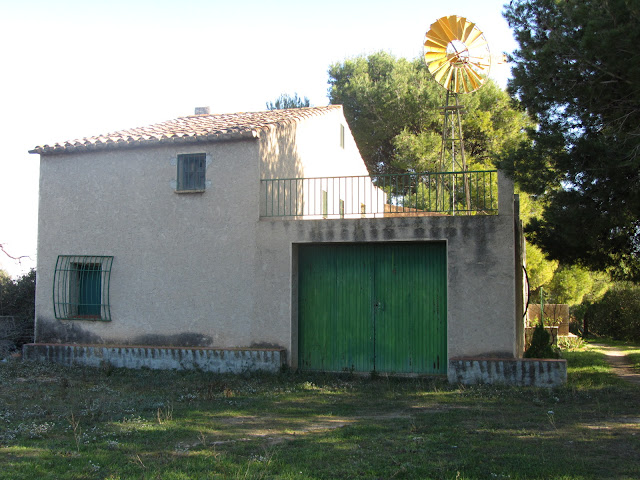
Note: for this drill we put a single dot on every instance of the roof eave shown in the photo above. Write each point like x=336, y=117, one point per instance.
x=215, y=137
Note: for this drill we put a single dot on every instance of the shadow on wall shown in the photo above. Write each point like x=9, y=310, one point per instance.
x=69, y=332
x=280, y=159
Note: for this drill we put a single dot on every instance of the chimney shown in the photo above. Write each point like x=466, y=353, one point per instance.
x=203, y=111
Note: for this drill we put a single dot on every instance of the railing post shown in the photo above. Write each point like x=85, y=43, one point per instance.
x=453, y=193
x=505, y=194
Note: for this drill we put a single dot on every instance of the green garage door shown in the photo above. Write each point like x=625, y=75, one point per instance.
x=372, y=307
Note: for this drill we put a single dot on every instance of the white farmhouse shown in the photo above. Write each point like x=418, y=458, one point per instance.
x=257, y=240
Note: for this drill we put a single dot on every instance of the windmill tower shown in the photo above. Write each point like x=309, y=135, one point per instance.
x=457, y=55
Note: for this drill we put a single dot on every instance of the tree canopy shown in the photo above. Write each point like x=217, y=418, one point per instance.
x=285, y=101
x=577, y=73
x=570, y=284
x=17, y=297
x=17, y=300
x=393, y=107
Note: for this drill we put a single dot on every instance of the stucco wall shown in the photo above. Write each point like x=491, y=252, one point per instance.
x=481, y=312
x=181, y=261
x=310, y=148
x=202, y=269
x=186, y=265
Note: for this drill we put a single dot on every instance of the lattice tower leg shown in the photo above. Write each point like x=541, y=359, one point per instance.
x=452, y=157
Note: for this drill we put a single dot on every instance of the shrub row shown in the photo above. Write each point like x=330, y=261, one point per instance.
x=17, y=307
x=617, y=314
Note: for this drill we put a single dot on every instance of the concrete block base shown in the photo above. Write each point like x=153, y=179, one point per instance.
x=159, y=358
x=517, y=371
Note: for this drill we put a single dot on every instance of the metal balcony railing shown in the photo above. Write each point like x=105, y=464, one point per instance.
x=408, y=194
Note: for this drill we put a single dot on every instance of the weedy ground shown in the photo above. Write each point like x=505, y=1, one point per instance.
x=105, y=423
x=631, y=351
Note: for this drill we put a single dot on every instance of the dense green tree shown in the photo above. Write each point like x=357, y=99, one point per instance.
x=577, y=73
x=393, y=107
x=540, y=270
x=17, y=300
x=287, y=101
x=570, y=285
x=617, y=314
x=5, y=278
x=17, y=297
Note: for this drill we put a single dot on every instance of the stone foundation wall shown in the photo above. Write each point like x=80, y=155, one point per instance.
x=518, y=371
x=167, y=358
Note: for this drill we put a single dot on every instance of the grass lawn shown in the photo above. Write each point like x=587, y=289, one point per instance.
x=84, y=423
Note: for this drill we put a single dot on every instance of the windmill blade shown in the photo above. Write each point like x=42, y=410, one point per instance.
x=475, y=79
x=432, y=47
x=440, y=33
x=466, y=85
x=431, y=41
x=466, y=32
x=438, y=64
x=480, y=45
x=448, y=26
x=433, y=56
x=447, y=80
x=454, y=25
x=481, y=63
x=456, y=81
x=457, y=54
x=441, y=72
x=472, y=37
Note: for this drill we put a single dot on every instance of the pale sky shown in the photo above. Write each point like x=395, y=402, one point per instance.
x=78, y=68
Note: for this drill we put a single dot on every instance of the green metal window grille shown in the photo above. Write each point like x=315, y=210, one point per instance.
x=342, y=135
x=81, y=287
x=191, y=172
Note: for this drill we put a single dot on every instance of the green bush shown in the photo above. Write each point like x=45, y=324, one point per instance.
x=576, y=320
x=17, y=306
x=617, y=314
x=570, y=343
x=540, y=344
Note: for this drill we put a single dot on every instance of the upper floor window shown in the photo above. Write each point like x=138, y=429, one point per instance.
x=191, y=172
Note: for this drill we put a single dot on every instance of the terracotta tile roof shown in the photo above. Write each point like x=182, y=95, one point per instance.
x=194, y=128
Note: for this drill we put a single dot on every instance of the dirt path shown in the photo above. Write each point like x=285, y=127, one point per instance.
x=620, y=365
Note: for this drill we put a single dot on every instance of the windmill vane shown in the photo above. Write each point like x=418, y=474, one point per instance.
x=457, y=54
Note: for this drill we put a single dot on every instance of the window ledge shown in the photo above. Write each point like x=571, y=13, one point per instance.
x=189, y=191
x=85, y=317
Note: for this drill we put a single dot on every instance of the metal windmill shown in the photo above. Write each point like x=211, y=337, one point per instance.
x=457, y=55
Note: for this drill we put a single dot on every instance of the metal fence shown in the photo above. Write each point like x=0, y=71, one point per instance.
x=408, y=194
